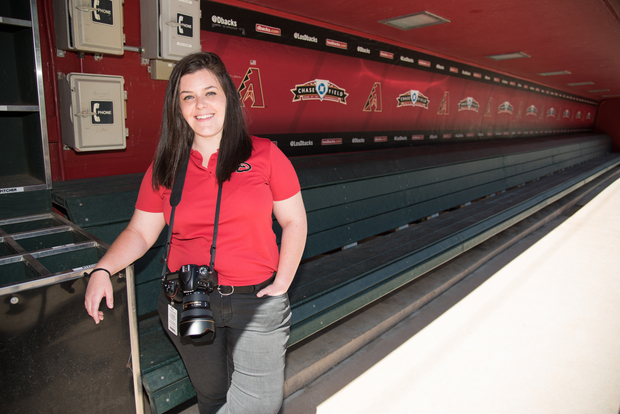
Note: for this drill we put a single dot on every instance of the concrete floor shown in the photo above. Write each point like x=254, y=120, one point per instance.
x=534, y=330
x=541, y=336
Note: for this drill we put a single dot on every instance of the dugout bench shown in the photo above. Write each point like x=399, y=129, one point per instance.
x=376, y=220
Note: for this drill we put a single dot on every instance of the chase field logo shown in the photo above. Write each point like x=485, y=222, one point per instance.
x=319, y=90
x=566, y=114
x=551, y=113
x=413, y=98
x=469, y=104
x=505, y=108
x=531, y=110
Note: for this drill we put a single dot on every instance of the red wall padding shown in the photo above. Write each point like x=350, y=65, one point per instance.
x=281, y=69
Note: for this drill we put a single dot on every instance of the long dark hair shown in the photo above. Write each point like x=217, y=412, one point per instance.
x=176, y=135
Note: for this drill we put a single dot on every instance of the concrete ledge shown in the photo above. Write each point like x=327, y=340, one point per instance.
x=314, y=356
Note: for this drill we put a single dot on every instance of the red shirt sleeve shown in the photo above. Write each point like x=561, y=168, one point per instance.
x=283, y=180
x=149, y=200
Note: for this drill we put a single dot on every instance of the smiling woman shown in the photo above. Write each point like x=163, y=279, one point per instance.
x=203, y=105
x=236, y=363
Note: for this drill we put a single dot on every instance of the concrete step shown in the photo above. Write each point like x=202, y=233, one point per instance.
x=314, y=356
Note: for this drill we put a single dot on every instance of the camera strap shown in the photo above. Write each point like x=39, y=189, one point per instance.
x=175, y=199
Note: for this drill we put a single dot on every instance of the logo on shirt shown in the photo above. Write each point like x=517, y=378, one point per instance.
x=244, y=167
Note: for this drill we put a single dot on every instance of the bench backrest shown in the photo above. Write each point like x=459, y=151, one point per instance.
x=351, y=197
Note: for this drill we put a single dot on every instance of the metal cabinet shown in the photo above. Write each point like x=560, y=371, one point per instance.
x=25, y=175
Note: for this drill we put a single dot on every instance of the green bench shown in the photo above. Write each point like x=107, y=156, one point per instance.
x=377, y=220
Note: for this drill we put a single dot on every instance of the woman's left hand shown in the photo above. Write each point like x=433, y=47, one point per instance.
x=274, y=289
x=291, y=216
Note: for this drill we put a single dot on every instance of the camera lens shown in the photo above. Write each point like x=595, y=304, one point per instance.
x=196, y=316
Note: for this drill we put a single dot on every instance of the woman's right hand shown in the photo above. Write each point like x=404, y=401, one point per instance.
x=141, y=233
x=99, y=286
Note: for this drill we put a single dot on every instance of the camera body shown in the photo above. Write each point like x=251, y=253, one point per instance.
x=192, y=285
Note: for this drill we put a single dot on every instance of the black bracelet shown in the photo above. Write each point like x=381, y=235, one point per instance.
x=100, y=268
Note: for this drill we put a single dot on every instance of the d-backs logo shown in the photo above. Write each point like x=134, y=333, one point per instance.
x=101, y=11
x=413, y=98
x=505, y=108
x=374, y=99
x=487, y=110
x=444, y=106
x=319, y=90
x=469, y=104
x=252, y=88
x=244, y=167
x=551, y=113
x=531, y=110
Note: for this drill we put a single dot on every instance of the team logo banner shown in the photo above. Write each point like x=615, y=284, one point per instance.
x=469, y=104
x=413, y=98
x=320, y=90
x=505, y=108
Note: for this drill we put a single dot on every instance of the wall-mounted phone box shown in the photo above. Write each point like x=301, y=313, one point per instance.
x=92, y=112
x=89, y=25
x=170, y=29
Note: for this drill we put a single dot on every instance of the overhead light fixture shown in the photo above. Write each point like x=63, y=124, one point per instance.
x=562, y=72
x=506, y=56
x=580, y=83
x=415, y=21
x=599, y=90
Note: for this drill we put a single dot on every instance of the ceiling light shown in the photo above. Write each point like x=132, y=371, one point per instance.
x=414, y=21
x=562, y=72
x=580, y=83
x=506, y=56
x=599, y=90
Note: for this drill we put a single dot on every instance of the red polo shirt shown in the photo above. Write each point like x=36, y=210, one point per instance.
x=246, y=245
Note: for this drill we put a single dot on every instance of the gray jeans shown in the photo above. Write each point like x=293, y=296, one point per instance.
x=242, y=370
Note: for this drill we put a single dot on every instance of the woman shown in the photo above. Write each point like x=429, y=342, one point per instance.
x=242, y=369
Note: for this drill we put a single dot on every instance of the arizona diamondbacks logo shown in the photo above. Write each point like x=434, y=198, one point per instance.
x=319, y=89
x=251, y=88
x=244, y=167
x=413, y=98
x=374, y=99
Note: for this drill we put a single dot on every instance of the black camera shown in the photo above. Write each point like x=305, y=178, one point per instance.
x=192, y=285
